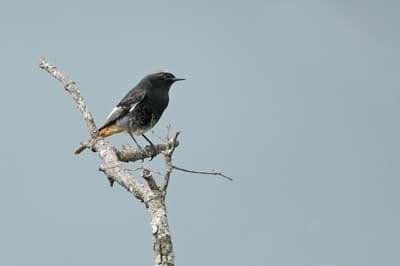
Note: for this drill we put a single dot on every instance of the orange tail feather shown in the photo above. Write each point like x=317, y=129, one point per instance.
x=104, y=132
x=110, y=130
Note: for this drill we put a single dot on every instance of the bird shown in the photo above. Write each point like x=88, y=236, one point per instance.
x=140, y=109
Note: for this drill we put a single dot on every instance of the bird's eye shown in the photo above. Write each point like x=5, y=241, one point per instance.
x=162, y=76
x=165, y=76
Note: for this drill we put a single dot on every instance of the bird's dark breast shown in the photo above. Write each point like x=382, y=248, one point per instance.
x=144, y=116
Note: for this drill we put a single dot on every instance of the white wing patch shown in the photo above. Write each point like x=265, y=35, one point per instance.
x=132, y=107
x=114, y=111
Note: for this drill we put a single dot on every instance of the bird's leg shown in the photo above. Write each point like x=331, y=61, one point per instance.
x=152, y=146
x=139, y=147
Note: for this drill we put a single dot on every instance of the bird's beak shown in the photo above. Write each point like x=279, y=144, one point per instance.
x=177, y=79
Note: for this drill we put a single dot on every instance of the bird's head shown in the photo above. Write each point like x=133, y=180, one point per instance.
x=162, y=79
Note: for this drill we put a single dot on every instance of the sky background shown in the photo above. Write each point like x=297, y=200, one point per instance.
x=298, y=101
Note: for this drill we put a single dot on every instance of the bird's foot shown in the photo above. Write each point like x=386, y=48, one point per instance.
x=143, y=152
x=153, y=152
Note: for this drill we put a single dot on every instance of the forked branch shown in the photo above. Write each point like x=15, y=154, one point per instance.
x=111, y=166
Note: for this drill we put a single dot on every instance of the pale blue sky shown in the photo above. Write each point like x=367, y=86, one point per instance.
x=299, y=101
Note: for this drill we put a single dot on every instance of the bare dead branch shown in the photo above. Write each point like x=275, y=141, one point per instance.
x=201, y=172
x=128, y=154
x=148, y=176
x=172, y=143
x=115, y=172
x=71, y=87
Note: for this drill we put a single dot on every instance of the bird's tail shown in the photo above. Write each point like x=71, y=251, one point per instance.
x=109, y=130
x=104, y=131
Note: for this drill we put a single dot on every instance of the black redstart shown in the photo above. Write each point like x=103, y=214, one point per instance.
x=140, y=109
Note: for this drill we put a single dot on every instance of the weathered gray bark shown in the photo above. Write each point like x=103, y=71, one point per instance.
x=152, y=195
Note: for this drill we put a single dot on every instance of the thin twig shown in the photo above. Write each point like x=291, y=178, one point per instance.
x=174, y=142
x=152, y=171
x=201, y=172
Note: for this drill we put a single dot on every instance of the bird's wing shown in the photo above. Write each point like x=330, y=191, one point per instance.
x=127, y=104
